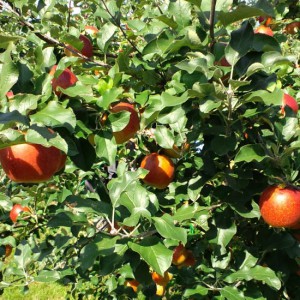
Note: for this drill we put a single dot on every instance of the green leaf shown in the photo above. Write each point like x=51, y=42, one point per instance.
x=5, y=40
x=117, y=186
x=154, y=253
x=8, y=73
x=170, y=100
x=9, y=119
x=265, y=43
x=47, y=276
x=193, y=65
x=164, y=137
x=105, y=34
x=186, y=212
x=181, y=12
x=241, y=41
x=23, y=256
x=221, y=145
x=136, y=200
x=106, y=148
x=249, y=153
x=24, y=103
x=166, y=228
x=199, y=290
x=119, y=120
x=42, y=136
x=157, y=46
x=79, y=90
x=9, y=137
x=54, y=115
x=232, y=293
x=224, y=235
x=240, y=13
x=109, y=97
x=274, y=98
x=259, y=273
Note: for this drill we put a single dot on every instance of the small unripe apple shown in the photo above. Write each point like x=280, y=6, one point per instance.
x=262, y=29
x=66, y=79
x=87, y=49
x=16, y=210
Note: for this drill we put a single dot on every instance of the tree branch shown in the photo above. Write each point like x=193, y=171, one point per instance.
x=212, y=24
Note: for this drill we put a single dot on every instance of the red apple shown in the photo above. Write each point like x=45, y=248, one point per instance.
x=66, y=79
x=16, y=210
x=289, y=101
x=280, y=207
x=133, y=125
x=86, y=50
x=31, y=163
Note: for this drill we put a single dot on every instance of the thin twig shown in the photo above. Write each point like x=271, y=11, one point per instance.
x=120, y=27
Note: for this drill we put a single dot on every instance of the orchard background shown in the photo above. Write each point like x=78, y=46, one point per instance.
x=96, y=225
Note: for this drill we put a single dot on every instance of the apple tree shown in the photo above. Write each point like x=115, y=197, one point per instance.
x=174, y=117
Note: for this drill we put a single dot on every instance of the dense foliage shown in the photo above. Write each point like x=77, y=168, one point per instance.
x=97, y=225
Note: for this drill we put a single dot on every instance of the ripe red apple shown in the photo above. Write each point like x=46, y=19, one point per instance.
x=66, y=79
x=31, y=163
x=289, y=101
x=161, y=170
x=280, y=207
x=133, y=125
x=16, y=210
x=86, y=50
x=264, y=30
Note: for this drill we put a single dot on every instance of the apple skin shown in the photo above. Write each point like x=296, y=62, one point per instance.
x=87, y=49
x=161, y=170
x=133, y=125
x=16, y=210
x=66, y=79
x=262, y=29
x=280, y=207
x=31, y=163
x=291, y=102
